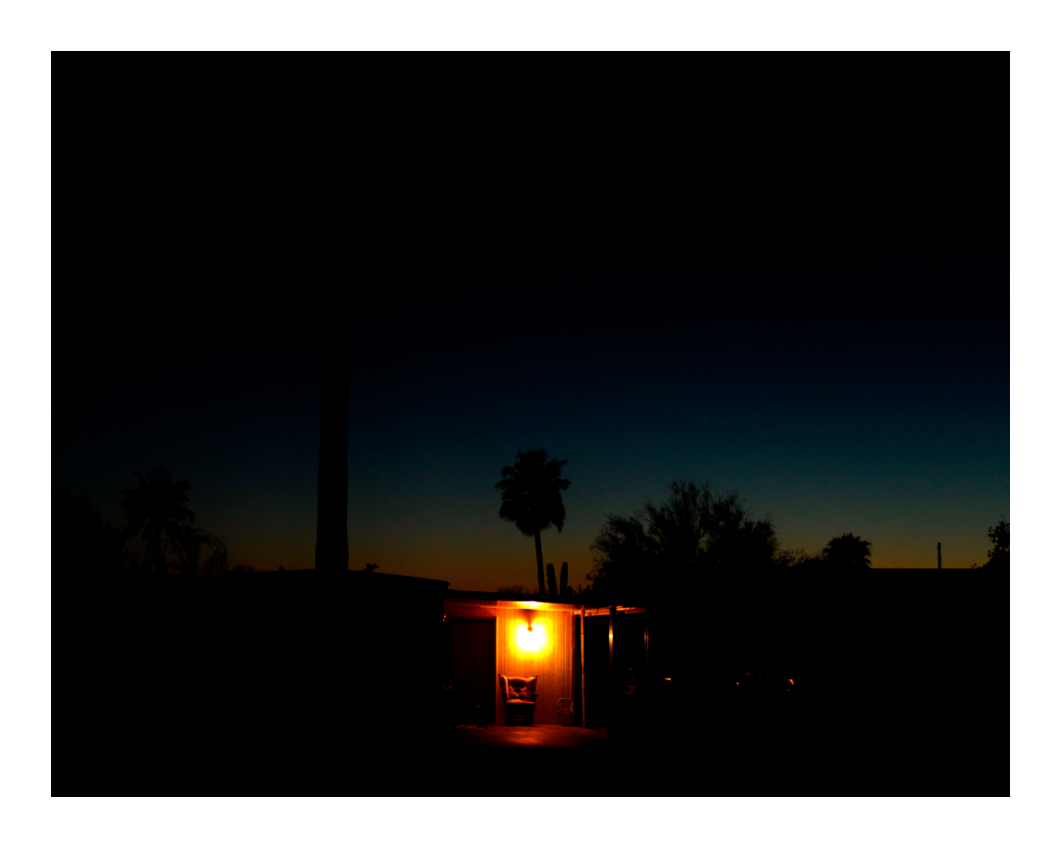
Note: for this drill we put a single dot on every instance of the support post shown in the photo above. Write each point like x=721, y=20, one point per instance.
x=611, y=612
x=613, y=703
x=583, y=665
x=646, y=665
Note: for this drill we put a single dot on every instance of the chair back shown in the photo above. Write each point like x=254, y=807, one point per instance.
x=518, y=688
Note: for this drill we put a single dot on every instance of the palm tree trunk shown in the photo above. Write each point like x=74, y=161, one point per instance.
x=332, y=548
x=159, y=562
x=540, y=565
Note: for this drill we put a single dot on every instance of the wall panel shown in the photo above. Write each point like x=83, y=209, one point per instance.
x=546, y=652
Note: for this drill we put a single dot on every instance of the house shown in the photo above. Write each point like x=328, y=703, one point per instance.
x=570, y=648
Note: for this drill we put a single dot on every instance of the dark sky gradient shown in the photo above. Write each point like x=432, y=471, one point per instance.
x=809, y=306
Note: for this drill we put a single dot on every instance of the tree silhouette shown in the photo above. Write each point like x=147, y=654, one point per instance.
x=691, y=532
x=735, y=541
x=682, y=523
x=531, y=499
x=846, y=552
x=84, y=546
x=624, y=555
x=156, y=509
x=998, y=557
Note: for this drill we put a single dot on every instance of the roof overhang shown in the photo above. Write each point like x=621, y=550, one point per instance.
x=494, y=603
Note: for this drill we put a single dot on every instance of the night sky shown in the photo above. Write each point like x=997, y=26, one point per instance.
x=807, y=303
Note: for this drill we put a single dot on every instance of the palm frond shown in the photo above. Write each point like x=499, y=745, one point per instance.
x=530, y=492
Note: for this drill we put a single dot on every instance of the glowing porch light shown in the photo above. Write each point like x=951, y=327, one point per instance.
x=530, y=638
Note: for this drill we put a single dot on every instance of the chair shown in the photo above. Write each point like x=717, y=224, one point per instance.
x=519, y=699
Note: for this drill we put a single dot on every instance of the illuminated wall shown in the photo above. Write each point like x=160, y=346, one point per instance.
x=537, y=642
x=545, y=651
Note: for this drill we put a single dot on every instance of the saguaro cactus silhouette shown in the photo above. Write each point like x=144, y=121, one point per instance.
x=562, y=590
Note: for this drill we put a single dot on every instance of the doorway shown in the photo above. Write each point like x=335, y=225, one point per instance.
x=475, y=661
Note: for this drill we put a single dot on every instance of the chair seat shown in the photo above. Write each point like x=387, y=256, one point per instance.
x=519, y=699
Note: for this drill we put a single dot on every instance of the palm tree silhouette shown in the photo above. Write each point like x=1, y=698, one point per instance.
x=531, y=499
x=156, y=507
x=199, y=553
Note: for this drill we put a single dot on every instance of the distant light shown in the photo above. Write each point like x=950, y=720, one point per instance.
x=666, y=679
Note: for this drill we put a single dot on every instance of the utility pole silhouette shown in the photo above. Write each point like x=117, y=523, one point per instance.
x=940, y=555
x=332, y=549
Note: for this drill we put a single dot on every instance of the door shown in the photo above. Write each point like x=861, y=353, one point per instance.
x=475, y=661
